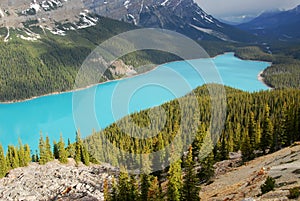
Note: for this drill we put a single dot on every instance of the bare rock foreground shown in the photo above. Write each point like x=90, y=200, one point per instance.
x=55, y=181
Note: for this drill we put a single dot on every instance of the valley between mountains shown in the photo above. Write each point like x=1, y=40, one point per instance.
x=254, y=155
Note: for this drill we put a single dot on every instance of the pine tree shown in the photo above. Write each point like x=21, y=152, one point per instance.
x=175, y=182
x=247, y=151
x=48, y=150
x=71, y=149
x=114, y=190
x=190, y=190
x=78, y=148
x=3, y=164
x=12, y=157
x=55, y=150
x=207, y=170
x=21, y=154
x=85, y=158
x=153, y=192
x=145, y=184
x=43, y=155
x=252, y=131
x=133, y=194
x=27, y=154
x=106, y=193
x=280, y=130
x=124, y=186
x=62, y=153
x=267, y=131
x=224, y=152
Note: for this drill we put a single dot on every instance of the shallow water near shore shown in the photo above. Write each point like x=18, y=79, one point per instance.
x=53, y=114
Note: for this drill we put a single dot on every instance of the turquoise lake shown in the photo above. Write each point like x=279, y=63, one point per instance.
x=53, y=114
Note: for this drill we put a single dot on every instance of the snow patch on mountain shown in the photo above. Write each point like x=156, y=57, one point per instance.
x=211, y=32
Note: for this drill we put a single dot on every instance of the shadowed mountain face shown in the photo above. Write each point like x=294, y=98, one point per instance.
x=279, y=25
x=183, y=16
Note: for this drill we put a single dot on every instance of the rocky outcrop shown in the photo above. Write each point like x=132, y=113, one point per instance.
x=243, y=183
x=55, y=181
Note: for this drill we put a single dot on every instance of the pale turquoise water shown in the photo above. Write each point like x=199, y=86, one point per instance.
x=53, y=114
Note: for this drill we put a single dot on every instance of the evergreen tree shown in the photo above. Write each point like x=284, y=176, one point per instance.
x=3, y=164
x=224, y=152
x=280, y=130
x=133, y=194
x=207, y=169
x=42, y=149
x=124, y=187
x=27, y=154
x=55, y=150
x=153, y=192
x=175, y=181
x=145, y=184
x=78, y=145
x=85, y=158
x=106, y=193
x=247, y=151
x=252, y=131
x=190, y=190
x=48, y=150
x=71, y=149
x=21, y=154
x=62, y=153
x=114, y=190
x=267, y=131
x=12, y=157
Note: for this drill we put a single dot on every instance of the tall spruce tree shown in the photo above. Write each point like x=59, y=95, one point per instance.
x=78, y=145
x=267, y=131
x=145, y=184
x=247, y=151
x=12, y=157
x=106, y=192
x=48, y=149
x=175, y=182
x=42, y=149
x=21, y=154
x=62, y=153
x=154, y=193
x=190, y=190
x=124, y=186
x=3, y=164
x=27, y=154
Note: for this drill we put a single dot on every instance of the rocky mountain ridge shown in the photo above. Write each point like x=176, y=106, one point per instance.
x=59, y=16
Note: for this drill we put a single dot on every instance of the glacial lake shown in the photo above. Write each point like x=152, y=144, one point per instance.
x=53, y=114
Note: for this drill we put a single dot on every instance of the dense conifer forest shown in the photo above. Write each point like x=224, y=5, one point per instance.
x=256, y=123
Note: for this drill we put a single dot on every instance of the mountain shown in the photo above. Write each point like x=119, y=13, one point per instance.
x=183, y=16
x=278, y=25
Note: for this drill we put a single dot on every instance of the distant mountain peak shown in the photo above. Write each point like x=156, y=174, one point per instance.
x=278, y=25
x=183, y=16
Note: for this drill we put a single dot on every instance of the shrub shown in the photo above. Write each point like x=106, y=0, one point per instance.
x=269, y=185
x=294, y=193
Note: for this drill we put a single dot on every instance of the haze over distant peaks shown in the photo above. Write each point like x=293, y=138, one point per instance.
x=279, y=25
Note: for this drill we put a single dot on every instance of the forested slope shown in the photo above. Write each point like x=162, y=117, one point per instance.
x=256, y=123
x=285, y=69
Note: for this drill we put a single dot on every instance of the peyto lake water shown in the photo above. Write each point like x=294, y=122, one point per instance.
x=54, y=114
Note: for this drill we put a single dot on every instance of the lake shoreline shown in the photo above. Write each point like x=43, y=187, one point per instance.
x=259, y=77
x=79, y=89
x=262, y=79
